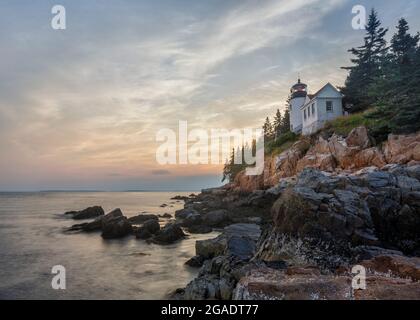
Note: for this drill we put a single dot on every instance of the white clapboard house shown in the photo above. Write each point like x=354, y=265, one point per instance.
x=309, y=112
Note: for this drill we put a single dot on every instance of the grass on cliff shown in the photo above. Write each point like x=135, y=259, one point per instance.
x=340, y=126
x=343, y=125
x=282, y=143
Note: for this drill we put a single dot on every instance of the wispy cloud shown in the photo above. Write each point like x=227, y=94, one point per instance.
x=84, y=104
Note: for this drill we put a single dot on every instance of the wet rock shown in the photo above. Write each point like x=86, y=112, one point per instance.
x=202, y=288
x=241, y=247
x=148, y=229
x=142, y=218
x=88, y=213
x=115, y=225
x=178, y=197
x=195, y=262
x=165, y=216
x=217, y=218
x=211, y=247
x=142, y=233
x=199, y=229
x=169, y=234
x=184, y=213
x=244, y=234
x=190, y=220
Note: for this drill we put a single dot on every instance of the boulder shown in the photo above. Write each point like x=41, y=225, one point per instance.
x=211, y=247
x=184, y=213
x=143, y=233
x=195, y=262
x=358, y=137
x=192, y=219
x=402, y=148
x=243, y=235
x=115, y=225
x=343, y=153
x=142, y=218
x=178, y=197
x=168, y=234
x=240, y=247
x=199, y=229
x=149, y=228
x=88, y=213
x=217, y=218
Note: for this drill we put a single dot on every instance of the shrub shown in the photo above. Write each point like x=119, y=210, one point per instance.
x=281, y=143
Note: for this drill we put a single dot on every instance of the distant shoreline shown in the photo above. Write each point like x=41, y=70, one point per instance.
x=93, y=191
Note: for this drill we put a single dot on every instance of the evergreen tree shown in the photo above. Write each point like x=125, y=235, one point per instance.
x=366, y=64
x=403, y=44
x=396, y=89
x=268, y=129
x=285, y=125
x=228, y=168
x=277, y=123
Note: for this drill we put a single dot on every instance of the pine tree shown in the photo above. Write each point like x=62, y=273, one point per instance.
x=367, y=60
x=229, y=167
x=403, y=44
x=396, y=88
x=268, y=129
x=285, y=125
x=277, y=123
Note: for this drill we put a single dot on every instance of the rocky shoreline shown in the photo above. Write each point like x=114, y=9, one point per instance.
x=297, y=231
x=312, y=231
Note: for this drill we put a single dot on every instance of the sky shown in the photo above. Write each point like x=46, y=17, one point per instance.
x=80, y=108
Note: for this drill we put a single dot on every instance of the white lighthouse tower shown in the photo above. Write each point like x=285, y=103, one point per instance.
x=298, y=95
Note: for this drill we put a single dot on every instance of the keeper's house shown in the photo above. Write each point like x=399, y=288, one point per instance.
x=309, y=112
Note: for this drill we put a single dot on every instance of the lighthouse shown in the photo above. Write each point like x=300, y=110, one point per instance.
x=298, y=94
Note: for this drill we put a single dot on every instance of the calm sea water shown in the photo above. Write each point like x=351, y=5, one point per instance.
x=32, y=241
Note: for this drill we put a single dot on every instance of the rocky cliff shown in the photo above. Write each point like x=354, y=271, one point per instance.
x=333, y=154
x=322, y=207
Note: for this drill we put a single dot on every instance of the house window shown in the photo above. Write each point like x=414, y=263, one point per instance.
x=304, y=114
x=313, y=108
x=329, y=106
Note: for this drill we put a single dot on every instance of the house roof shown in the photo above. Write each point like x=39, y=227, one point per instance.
x=314, y=96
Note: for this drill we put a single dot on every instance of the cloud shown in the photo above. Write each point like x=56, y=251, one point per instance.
x=85, y=102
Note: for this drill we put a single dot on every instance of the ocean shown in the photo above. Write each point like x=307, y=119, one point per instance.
x=32, y=241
